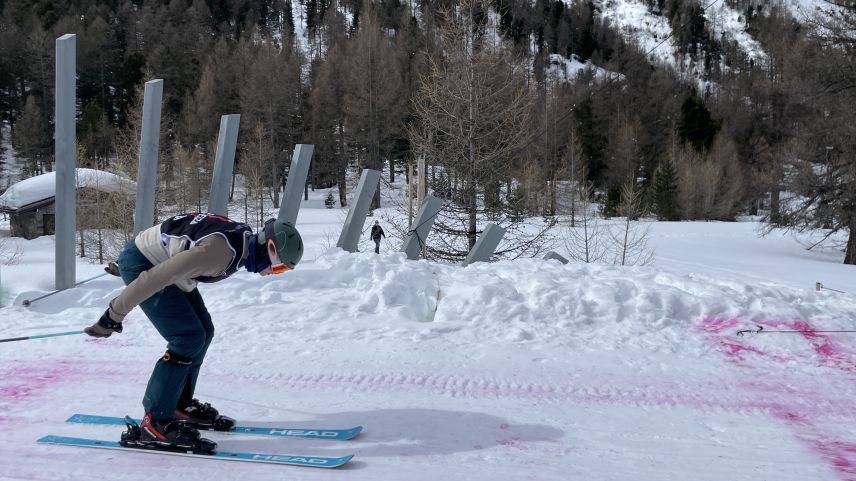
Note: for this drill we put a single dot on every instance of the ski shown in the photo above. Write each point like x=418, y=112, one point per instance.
x=338, y=434
x=286, y=459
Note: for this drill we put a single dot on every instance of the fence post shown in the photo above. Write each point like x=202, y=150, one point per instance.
x=65, y=150
x=224, y=163
x=350, y=236
x=485, y=245
x=415, y=239
x=556, y=257
x=144, y=211
x=293, y=193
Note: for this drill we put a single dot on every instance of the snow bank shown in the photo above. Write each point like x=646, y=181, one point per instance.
x=43, y=187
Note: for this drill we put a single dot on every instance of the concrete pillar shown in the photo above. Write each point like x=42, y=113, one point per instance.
x=66, y=160
x=144, y=212
x=485, y=245
x=224, y=163
x=415, y=239
x=350, y=236
x=293, y=193
x=556, y=257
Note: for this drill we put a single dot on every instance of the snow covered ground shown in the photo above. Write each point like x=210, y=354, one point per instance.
x=525, y=369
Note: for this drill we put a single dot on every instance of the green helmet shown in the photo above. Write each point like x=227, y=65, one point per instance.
x=289, y=245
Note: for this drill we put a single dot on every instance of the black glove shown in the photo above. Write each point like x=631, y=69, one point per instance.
x=112, y=269
x=104, y=327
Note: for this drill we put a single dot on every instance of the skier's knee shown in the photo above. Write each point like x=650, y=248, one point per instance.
x=173, y=357
x=190, y=345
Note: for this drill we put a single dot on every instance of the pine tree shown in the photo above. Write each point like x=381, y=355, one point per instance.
x=29, y=136
x=666, y=191
x=696, y=125
x=375, y=105
x=610, y=206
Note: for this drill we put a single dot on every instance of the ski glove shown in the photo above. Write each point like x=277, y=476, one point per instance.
x=104, y=327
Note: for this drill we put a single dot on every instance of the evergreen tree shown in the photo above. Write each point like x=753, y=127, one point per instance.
x=31, y=140
x=592, y=137
x=666, y=191
x=696, y=125
x=612, y=202
x=95, y=134
x=375, y=105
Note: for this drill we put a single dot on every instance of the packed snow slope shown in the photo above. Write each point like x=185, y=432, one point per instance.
x=525, y=369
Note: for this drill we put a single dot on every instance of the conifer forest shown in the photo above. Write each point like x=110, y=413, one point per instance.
x=519, y=108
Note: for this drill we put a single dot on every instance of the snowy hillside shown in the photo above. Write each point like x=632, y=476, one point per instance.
x=524, y=369
x=650, y=31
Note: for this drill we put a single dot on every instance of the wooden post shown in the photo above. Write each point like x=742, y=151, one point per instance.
x=420, y=178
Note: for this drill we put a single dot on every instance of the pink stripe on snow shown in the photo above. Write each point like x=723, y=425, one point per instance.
x=802, y=410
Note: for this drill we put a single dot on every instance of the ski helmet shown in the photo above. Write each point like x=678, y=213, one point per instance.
x=284, y=244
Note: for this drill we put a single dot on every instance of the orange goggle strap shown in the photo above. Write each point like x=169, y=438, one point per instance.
x=276, y=265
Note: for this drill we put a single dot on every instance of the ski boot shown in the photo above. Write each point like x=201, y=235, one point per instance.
x=202, y=416
x=168, y=435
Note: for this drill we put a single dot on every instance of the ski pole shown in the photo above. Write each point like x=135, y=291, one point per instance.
x=762, y=331
x=41, y=336
x=27, y=302
x=818, y=286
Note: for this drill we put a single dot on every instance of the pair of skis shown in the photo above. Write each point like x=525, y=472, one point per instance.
x=291, y=460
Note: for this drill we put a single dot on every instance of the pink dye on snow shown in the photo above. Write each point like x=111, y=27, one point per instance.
x=841, y=454
x=22, y=381
x=716, y=325
x=829, y=353
x=733, y=350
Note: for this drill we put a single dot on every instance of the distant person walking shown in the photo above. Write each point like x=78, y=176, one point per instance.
x=377, y=233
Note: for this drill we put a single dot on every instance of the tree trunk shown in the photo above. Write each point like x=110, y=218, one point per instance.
x=850, y=252
x=471, y=231
x=343, y=188
x=775, y=207
x=277, y=180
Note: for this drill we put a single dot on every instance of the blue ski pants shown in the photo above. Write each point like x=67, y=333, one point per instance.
x=182, y=319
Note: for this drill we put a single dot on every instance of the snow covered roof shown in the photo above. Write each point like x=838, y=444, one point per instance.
x=42, y=187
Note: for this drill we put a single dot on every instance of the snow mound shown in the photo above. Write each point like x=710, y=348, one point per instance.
x=43, y=187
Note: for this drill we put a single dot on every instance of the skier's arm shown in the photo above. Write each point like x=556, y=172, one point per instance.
x=208, y=258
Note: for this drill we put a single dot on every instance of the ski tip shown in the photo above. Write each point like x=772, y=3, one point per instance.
x=339, y=462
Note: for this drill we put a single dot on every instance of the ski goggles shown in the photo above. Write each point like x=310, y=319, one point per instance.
x=276, y=265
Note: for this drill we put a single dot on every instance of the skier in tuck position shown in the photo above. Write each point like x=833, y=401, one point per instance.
x=161, y=268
